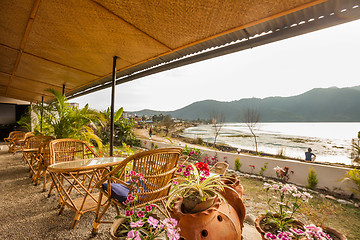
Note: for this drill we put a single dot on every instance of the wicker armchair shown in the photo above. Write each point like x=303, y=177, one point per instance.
x=14, y=136
x=219, y=168
x=39, y=160
x=63, y=150
x=31, y=151
x=158, y=167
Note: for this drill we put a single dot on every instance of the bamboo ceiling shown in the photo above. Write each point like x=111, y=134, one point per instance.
x=51, y=43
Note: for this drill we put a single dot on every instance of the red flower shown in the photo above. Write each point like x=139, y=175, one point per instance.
x=202, y=166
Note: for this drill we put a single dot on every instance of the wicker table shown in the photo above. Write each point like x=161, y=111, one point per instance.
x=75, y=181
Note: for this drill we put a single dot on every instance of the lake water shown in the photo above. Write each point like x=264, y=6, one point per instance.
x=331, y=142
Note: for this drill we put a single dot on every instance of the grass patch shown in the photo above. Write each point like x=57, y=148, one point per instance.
x=344, y=218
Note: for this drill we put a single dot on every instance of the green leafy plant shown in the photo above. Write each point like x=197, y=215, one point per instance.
x=354, y=176
x=283, y=203
x=237, y=164
x=263, y=169
x=312, y=179
x=193, y=153
x=64, y=120
x=195, y=183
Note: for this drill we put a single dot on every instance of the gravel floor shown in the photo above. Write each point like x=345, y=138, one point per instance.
x=27, y=213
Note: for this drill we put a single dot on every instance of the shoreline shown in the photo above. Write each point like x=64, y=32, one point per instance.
x=177, y=140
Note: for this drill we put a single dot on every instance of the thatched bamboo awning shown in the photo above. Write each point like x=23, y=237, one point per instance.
x=52, y=43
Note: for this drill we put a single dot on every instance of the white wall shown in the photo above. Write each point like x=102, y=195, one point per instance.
x=329, y=177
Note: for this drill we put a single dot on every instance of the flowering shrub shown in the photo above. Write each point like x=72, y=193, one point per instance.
x=284, y=203
x=283, y=173
x=252, y=167
x=211, y=161
x=193, y=153
x=311, y=232
x=142, y=224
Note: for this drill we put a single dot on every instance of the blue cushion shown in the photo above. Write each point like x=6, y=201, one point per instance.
x=118, y=191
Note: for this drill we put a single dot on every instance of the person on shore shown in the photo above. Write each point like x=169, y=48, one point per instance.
x=309, y=154
x=150, y=133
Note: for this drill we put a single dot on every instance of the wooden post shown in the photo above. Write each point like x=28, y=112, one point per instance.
x=112, y=107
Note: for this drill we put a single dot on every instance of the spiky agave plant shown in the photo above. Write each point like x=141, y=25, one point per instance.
x=192, y=182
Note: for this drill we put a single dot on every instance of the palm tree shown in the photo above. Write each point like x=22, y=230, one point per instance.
x=62, y=120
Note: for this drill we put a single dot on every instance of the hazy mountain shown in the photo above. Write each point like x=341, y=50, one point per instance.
x=317, y=105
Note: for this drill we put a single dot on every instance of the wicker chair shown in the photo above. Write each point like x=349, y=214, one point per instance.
x=64, y=150
x=219, y=168
x=31, y=151
x=40, y=160
x=20, y=143
x=158, y=167
x=14, y=136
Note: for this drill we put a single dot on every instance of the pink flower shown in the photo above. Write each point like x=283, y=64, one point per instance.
x=129, y=213
x=179, y=170
x=148, y=208
x=133, y=234
x=137, y=224
x=270, y=236
x=130, y=198
x=186, y=173
x=153, y=222
x=173, y=234
x=170, y=221
x=140, y=214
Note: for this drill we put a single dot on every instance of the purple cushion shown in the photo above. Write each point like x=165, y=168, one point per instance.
x=118, y=191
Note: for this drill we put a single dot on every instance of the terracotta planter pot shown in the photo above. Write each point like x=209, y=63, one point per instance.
x=217, y=222
x=334, y=234
x=192, y=207
x=114, y=227
x=259, y=219
x=234, y=197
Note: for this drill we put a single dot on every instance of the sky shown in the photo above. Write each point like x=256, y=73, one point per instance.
x=321, y=59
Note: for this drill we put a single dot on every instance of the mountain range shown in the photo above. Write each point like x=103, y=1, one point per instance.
x=317, y=105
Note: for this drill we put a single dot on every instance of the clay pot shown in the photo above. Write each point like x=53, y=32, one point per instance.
x=114, y=227
x=191, y=205
x=259, y=219
x=334, y=234
x=217, y=222
x=234, y=196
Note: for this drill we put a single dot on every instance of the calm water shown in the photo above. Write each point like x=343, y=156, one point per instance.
x=331, y=142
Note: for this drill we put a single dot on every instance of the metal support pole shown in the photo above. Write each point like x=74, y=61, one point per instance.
x=41, y=114
x=112, y=107
x=63, y=91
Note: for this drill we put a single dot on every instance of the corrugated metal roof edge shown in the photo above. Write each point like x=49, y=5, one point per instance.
x=319, y=17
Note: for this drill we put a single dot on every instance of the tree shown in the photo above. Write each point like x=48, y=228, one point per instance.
x=251, y=117
x=123, y=129
x=63, y=120
x=217, y=120
x=168, y=123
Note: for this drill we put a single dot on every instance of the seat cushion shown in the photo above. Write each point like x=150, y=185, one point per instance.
x=118, y=191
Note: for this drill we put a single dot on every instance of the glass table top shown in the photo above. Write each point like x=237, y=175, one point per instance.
x=91, y=163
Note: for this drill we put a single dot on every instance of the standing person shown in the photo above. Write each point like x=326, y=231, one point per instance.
x=150, y=133
x=309, y=154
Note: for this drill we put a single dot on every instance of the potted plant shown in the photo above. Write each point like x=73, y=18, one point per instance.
x=141, y=224
x=195, y=199
x=309, y=232
x=285, y=201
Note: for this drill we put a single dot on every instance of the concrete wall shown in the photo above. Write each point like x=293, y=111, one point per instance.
x=329, y=177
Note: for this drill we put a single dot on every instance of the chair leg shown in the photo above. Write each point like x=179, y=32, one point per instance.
x=76, y=220
x=99, y=215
